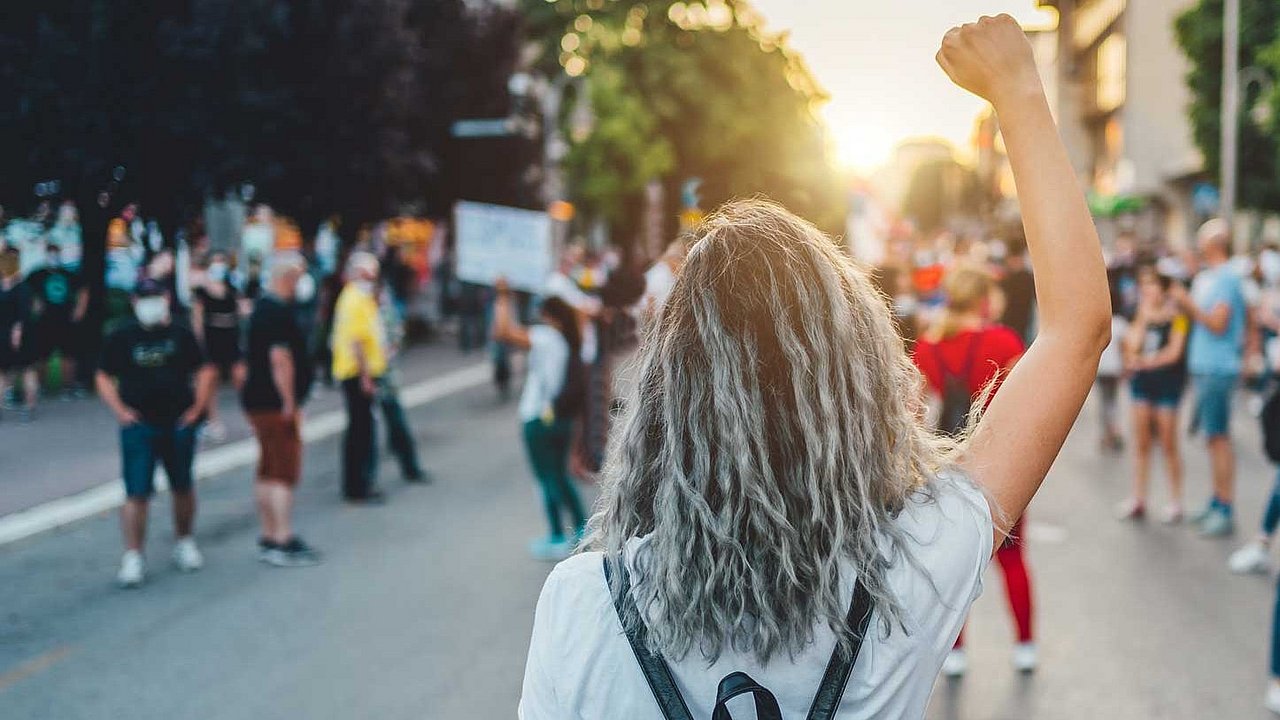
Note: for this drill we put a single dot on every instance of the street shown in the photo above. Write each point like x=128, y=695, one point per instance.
x=422, y=608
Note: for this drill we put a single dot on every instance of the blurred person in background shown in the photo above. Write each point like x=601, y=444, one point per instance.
x=277, y=383
x=359, y=359
x=66, y=234
x=1111, y=371
x=1217, y=309
x=1019, y=291
x=59, y=303
x=964, y=356
x=15, y=314
x=660, y=278
x=554, y=391
x=215, y=318
x=399, y=437
x=155, y=378
x=1154, y=352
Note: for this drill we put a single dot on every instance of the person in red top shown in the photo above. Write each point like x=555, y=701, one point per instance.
x=966, y=354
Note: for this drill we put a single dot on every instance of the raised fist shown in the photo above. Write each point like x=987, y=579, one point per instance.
x=990, y=58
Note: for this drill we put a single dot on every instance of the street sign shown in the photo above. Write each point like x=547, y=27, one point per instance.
x=491, y=127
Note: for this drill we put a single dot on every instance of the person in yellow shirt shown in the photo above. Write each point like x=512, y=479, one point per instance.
x=359, y=359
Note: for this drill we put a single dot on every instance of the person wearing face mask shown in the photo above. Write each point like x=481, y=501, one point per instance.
x=215, y=318
x=960, y=356
x=359, y=360
x=156, y=378
x=278, y=381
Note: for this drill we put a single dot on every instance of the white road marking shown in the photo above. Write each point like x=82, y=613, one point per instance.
x=1046, y=533
x=110, y=495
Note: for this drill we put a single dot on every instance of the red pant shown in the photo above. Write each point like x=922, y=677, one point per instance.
x=1017, y=584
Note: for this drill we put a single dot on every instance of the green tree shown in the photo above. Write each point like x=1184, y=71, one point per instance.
x=684, y=90
x=1199, y=34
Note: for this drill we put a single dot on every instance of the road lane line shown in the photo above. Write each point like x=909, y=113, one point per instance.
x=30, y=667
x=110, y=495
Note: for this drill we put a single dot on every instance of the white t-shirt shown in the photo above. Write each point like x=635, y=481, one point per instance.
x=581, y=666
x=548, y=361
x=1111, y=364
x=562, y=286
x=658, y=283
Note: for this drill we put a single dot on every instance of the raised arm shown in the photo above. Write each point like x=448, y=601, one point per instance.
x=1018, y=438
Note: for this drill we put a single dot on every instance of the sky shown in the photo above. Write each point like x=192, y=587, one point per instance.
x=875, y=58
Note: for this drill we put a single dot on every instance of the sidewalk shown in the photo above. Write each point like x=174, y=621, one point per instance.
x=72, y=446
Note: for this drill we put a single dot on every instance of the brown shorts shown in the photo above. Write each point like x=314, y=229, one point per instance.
x=279, y=447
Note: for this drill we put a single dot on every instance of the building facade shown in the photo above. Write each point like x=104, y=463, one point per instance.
x=1121, y=105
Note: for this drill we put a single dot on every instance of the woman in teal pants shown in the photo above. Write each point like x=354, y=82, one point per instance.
x=545, y=411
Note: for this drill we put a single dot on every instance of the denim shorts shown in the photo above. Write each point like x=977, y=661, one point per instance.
x=1213, y=404
x=142, y=445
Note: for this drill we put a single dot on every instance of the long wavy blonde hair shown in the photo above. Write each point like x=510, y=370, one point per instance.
x=771, y=438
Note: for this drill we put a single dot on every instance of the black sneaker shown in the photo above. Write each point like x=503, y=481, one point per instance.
x=418, y=477
x=373, y=497
x=294, y=553
x=265, y=548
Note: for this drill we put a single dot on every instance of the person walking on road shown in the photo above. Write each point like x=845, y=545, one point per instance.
x=359, y=359
x=775, y=500
x=1216, y=306
x=554, y=391
x=157, y=380
x=963, y=358
x=1154, y=352
x=399, y=437
x=15, y=316
x=278, y=380
x=215, y=318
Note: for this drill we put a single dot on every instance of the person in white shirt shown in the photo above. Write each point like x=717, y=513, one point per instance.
x=659, y=280
x=774, y=494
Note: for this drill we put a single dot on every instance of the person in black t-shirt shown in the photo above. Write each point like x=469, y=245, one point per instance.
x=1019, y=290
x=157, y=380
x=278, y=381
x=59, y=301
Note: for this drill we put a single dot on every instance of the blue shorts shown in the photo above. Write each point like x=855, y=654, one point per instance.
x=1213, y=404
x=1162, y=394
x=143, y=445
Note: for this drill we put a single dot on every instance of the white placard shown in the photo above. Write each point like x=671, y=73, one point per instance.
x=495, y=241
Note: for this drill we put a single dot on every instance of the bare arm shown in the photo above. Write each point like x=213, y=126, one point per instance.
x=110, y=394
x=197, y=321
x=282, y=373
x=206, y=381
x=506, y=329
x=1018, y=438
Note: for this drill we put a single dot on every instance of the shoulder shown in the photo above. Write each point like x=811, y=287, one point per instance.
x=1002, y=341
x=574, y=597
x=948, y=531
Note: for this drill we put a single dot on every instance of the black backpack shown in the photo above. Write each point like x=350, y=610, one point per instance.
x=572, y=399
x=1270, y=420
x=957, y=400
x=658, y=674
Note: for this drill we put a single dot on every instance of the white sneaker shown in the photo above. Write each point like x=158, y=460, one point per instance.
x=956, y=664
x=1272, y=701
x=187, y=556
x=132, y=570
x=1024, y=657
x=1252, y=557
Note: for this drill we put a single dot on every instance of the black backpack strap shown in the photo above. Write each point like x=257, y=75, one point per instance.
x=834, y=680
x=740, y=683
x=656, y=671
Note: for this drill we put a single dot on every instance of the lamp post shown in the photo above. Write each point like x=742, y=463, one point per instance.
x=1230, y=108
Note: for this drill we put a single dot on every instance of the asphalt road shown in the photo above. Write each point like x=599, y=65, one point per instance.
x=423, y=607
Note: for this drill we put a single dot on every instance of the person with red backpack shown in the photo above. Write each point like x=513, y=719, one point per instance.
x=552, y=399
x=963, y=358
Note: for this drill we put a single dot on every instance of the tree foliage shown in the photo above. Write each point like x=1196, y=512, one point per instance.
x=688, y=90
x=1199, y=34
x=323, y=105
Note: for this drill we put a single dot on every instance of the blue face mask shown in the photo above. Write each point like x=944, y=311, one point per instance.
x=217, y=272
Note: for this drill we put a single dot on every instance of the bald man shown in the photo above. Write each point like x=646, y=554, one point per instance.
x=1215, y=352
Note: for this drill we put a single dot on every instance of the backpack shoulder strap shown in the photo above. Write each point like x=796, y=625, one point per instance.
x=656, y=671
x=836, y=678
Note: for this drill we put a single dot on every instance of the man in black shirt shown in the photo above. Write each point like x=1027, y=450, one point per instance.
x=158, y=382
x=15, y=312
x=277, y=384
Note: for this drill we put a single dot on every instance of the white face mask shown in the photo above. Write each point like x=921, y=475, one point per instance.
x=305, y=289
x=366, y=286
x=151, y=311
x=218, y=272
